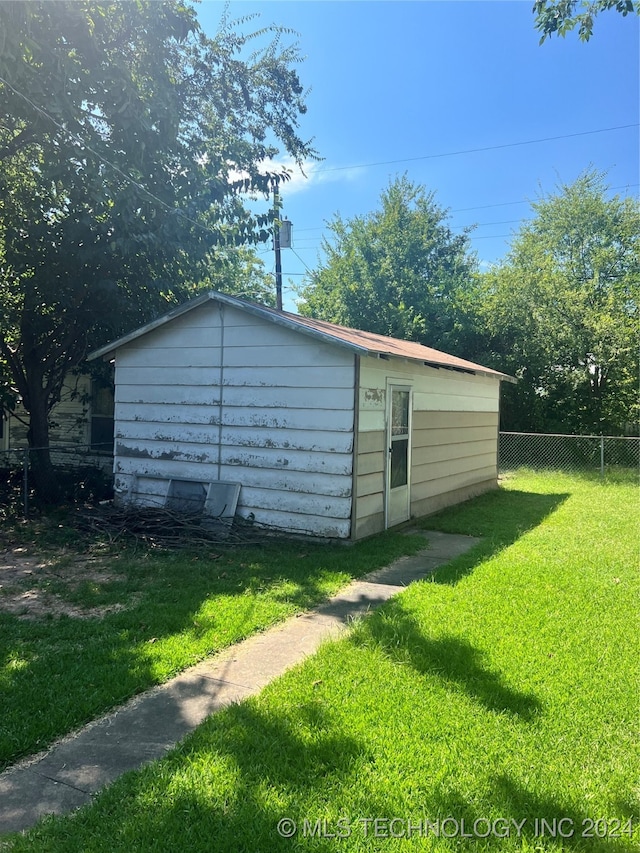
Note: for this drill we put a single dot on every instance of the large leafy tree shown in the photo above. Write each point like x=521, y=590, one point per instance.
x=126, y=137
x=562, y=16
x=396, y=271
x=562, y=311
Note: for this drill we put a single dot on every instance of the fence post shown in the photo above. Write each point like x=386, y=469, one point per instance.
x=602, y=456
x=25, y=483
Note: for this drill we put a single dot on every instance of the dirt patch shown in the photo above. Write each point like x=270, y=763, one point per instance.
x=24, y=581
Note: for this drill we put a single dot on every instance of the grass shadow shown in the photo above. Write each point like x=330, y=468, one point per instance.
x=231, y=783
x=218, y=779
x=451, y=659
x=571, y=827
x=499, y=518
x=57, y=674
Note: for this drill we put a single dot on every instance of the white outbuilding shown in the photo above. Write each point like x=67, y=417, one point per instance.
x=299, y=424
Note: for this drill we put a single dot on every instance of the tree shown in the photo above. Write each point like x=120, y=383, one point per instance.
x=121, y=130
x=395, y=271
x=238, y=270
x=562, y=16
x=563, y=312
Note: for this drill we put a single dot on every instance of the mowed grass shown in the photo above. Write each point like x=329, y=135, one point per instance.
x=59, y=672
x=499, y=694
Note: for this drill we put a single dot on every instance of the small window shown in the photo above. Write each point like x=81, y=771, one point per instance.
x=186, y=496
x=102, y=408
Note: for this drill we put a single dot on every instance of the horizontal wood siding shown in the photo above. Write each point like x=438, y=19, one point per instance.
x=454, y=437
x=453, y=494
x=250, y=402
x=68, y=421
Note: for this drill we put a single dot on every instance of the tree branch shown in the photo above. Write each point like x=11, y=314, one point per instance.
x=14, y=365
x=26, y=135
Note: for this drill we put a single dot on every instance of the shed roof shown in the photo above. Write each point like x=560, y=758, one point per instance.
x=365, y=343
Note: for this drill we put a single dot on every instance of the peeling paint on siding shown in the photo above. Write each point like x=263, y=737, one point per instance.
x=287, y=421
x=172, y=455
x=374, y=395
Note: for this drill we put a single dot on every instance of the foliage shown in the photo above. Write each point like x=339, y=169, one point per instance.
x=563, y=309
x=126, y=137
x=240, y=271
x=395, y=271
x=560, y=312
x=562, y=16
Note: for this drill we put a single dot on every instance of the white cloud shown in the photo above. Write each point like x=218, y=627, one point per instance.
x=309, y=175
x=349, y=173
x=319, y=173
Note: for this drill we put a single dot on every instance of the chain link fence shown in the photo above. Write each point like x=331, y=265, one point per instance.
x=567, y=452
x=82, y=472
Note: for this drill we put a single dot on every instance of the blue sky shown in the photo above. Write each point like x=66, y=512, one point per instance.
x=404, y=81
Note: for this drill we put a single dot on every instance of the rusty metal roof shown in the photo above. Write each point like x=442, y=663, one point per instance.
x=382, y=345
x=366, y=343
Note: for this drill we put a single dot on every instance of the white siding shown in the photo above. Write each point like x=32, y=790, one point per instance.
x=218, y=394
x=454, y=436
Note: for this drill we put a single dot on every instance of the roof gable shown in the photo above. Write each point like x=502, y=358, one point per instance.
x=364, y=343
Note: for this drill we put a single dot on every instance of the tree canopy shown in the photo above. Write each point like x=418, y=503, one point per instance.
x=562, y=312
x=562, y=16
x=395, y=271
x=126, y=136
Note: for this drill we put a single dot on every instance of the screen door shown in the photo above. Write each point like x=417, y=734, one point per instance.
x=399, y=454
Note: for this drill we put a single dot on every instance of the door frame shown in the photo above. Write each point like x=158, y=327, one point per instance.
x=398, y=385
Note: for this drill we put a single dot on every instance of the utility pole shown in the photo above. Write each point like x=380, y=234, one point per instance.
x=276, y=245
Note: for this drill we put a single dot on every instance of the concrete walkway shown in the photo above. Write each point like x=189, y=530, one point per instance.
x=149, y=725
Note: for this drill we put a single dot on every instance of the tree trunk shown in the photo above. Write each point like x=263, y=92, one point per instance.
x=41, y=469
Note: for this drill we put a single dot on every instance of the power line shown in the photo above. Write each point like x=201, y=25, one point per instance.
x=83, y=144
x=492, y=236
x=524, y=201
x=301, y=261
x=495, y=222
x=74, y=137
x=453, y=227
x=477, y=150
x=479, y=207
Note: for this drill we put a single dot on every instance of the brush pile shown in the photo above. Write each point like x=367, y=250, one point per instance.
x=159, y=526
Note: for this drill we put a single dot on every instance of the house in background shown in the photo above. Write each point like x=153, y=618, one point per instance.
x=82, y=419
x=327, y=430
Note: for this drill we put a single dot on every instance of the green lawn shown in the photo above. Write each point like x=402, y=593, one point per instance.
x=58, y=672
x=494, y=704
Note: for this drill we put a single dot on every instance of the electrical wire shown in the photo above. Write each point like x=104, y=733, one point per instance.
x=78, y=140
x=316, y=246
x=301, y=261
x=478, y=207
x=74, y=137
x=83, y=144
x=477, y=150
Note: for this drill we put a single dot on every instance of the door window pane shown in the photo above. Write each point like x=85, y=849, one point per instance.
x=399, y=460
x=399, y=412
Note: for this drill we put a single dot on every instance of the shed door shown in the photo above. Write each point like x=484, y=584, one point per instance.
x=399, y=454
